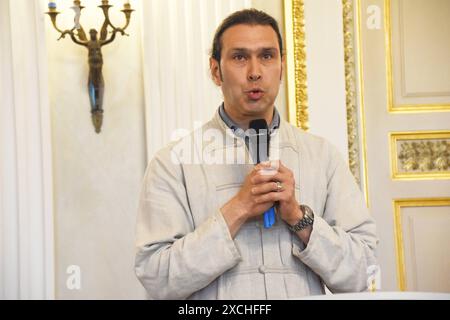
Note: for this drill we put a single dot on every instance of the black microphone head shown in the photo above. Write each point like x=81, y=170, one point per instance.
x=258, y=124
x=259, y=140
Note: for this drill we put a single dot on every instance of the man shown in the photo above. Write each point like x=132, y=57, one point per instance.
x=199, y=230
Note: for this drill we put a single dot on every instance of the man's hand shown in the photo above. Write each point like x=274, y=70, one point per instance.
x=260, y=192
x=266, y=189
x=244, y=204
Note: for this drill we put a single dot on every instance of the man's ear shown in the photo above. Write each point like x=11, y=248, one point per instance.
x=215, y=71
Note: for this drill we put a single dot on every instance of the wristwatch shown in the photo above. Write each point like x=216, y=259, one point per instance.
x=307, y=220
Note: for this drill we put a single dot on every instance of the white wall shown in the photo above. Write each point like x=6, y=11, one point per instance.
x=326, y=72
x=97, y=177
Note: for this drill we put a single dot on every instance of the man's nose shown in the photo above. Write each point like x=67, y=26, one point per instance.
x=254, y=70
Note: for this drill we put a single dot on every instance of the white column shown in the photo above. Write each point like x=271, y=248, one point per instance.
x=26, y=229
x=177, y=38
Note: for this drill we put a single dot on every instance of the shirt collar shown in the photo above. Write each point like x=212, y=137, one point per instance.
x=275, y=124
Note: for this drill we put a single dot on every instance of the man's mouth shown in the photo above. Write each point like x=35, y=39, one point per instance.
x=254, y=94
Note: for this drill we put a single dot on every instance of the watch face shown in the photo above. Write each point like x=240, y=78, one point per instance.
x=307, y=210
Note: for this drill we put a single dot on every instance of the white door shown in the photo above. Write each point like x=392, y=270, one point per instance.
x=405, y=89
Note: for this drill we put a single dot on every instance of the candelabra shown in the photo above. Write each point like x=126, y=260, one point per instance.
x=94, y=45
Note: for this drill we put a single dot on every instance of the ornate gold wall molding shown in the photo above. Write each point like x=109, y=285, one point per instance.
x=354, y=91
x=350, y=90
x=425, y=156
x=392, y=107
x=420, y=155
x=398, y=204
x=294, y=18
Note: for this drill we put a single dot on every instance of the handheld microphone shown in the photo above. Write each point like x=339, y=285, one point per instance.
x=260, y=147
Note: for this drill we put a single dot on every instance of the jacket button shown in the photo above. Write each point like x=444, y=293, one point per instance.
x=262, y=269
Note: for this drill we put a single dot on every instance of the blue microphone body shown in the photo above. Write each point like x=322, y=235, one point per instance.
x=269, y=218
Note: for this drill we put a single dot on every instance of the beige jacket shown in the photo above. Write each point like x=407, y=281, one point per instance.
x=184, y=248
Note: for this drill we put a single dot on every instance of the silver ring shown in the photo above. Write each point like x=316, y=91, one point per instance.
x=279, y=186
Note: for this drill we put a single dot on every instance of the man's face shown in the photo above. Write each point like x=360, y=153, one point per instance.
x=250, y=71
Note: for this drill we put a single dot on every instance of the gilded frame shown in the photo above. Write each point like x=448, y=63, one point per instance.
x=354, y=92
x=398, y=204
x=420, y=136
x=296, y=84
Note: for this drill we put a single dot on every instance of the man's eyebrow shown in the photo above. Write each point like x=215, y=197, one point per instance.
x=240, y=50
x=269, y=49
x=265, y=49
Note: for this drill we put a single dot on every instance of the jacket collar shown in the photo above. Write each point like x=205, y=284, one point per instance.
x=240, y=132
x=284, y=132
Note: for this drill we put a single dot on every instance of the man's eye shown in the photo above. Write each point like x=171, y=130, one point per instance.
x=267, y=56
x=239, y=57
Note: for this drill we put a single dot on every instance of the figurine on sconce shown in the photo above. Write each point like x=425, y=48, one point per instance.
x=93, y=44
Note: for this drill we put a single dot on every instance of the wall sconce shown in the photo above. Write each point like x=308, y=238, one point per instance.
x=94, y=45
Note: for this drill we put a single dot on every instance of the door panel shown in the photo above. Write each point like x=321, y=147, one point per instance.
x=418, y=51
x=421, y=232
